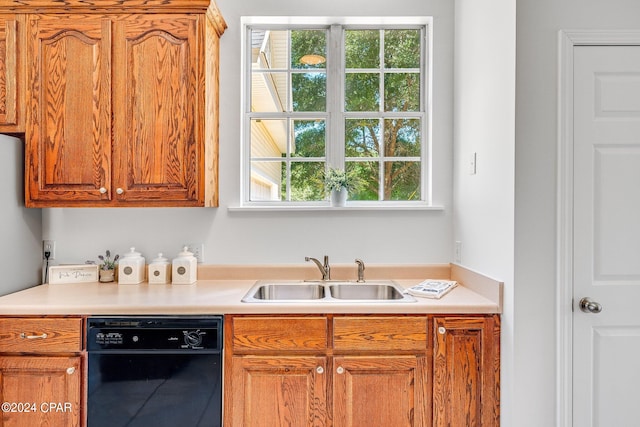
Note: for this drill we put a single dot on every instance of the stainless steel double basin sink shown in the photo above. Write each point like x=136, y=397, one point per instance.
x=379, y=291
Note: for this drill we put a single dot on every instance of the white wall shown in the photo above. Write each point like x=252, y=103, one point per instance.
x=20, y=228
x=538, y=23
x=251, y=237
x=484, y=121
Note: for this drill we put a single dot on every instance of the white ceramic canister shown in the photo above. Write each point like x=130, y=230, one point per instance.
x=159, y=270
x=131, y=268
x=184, y=269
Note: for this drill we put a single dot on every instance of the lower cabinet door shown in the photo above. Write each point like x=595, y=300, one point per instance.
x=277, y=391
x=466, y=372
x=40, y=391
x=379, y=391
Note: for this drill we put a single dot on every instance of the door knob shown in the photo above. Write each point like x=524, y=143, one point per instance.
x=589, y=306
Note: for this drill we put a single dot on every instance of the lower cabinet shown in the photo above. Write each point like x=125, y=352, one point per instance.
x=379, y=391
x=40, y=391
x=41, y=372
x=348, y=371
x=466, y=371
x=278, y=391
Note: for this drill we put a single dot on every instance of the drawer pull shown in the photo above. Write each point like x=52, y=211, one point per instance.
x=71, y=370
x=320, y=370
x=33, y=337
x=340, y=370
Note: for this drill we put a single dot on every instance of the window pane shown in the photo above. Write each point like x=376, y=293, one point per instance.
x=402, y=181
x=309, y=138
x=402, y=137
x=268, y=138
x=266, y=181
x=402, y=92
x=367, y=175
x=309, y=91
x=402, y=48
x=362, y=92
x=308, y=49
x=362, y=48
x=362, y=137
x=268, y=92
x=306, y=181
x=269, y=48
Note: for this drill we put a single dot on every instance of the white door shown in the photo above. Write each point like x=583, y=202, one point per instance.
x=606, y=245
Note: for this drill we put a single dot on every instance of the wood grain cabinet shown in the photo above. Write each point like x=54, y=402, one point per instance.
x=466, y=371
x=380, y=375
x=41, y=372
x=12, y=73
x=276, y=371
x=370, y=371
x=122, y=110
x=351, y=370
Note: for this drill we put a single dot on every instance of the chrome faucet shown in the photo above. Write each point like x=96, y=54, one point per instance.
x=324, y=269
x=360, y=270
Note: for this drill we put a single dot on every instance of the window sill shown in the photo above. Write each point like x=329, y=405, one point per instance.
x=315, y=208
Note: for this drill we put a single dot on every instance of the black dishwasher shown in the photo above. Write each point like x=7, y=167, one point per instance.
x=154, y=371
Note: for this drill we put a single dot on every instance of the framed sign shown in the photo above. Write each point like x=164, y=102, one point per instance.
x=83, y=273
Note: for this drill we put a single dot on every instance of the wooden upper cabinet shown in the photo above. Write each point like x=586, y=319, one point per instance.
x=122, y=111
x=68, y=145
x=12, y=71
x=158, y=98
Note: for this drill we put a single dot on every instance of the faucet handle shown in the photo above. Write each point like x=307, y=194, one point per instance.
x=324, y=269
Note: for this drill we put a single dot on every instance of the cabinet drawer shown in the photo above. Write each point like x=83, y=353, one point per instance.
x=25, y=335
x=279, y=333
x=380, y=333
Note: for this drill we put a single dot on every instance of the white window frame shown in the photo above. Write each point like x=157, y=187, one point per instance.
x=335, y=114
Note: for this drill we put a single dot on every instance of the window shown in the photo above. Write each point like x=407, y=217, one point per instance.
x=347, y=95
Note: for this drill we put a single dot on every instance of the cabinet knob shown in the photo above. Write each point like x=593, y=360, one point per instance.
x=442, y=330
x=320, y=370
x=340, y=370
x=103, y=190
x=71, y=370
x=119, y=190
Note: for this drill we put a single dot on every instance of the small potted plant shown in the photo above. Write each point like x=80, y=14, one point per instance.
x=107, y=267
x=337, y=183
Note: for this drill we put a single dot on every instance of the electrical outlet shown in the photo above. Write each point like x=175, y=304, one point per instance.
x=49, y=246
x=457, y=255
x=197, y=249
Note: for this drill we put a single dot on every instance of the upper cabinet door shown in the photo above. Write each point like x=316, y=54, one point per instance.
x=11, y=73
x=69, y=121
x=158, y=98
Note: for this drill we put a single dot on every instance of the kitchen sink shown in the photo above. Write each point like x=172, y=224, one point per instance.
x=382, y=291
x=366, y=291
x=285, y=292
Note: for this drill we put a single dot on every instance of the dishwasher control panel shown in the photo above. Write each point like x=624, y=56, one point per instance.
x=103, y=338
x=160, y=333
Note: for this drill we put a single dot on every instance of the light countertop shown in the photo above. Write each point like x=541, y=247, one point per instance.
x=222, y=288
